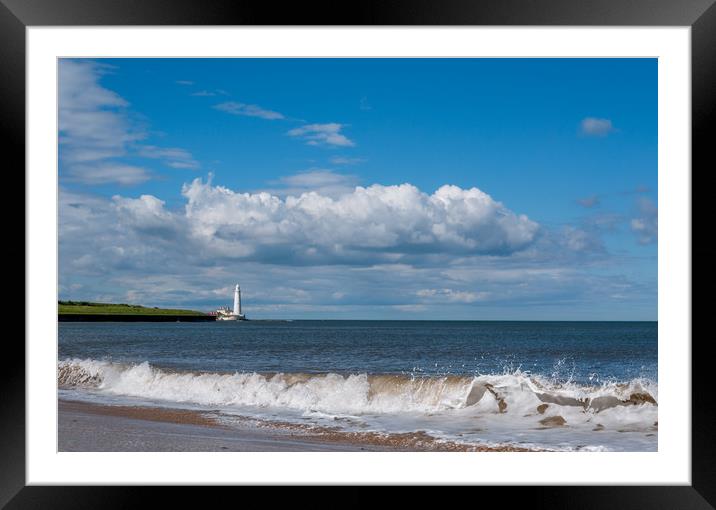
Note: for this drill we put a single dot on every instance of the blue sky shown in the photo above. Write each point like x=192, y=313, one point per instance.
x=362, y=188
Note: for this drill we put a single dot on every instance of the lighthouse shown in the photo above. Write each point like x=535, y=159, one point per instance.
x=227, y=314
x=237, y=300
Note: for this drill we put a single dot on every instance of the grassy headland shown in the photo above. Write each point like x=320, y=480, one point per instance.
x=86, y=307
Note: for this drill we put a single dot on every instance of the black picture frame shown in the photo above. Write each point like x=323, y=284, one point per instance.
x=700, y=15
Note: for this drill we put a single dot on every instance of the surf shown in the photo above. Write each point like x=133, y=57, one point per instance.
x=514, y=393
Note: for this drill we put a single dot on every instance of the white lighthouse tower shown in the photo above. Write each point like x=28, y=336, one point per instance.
x=237, y=300
x=227, y=314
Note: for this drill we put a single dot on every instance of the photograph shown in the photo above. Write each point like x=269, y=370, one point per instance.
x=402, y=244
x=357, y=254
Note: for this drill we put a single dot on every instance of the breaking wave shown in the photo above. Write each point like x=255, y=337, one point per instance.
x=516, y=394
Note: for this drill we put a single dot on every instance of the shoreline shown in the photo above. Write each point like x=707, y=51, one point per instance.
x=128, y=317
x=89, y=427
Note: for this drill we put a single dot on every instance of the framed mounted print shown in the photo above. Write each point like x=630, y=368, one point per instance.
x=410, y=247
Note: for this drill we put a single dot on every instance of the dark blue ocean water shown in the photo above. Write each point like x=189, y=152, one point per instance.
x=582, y=352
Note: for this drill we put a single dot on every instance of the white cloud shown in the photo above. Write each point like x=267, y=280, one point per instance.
x=342, y=160
x=145, y=213
x=92, y=120
x=577, y=239
x=249, y=110
x=90, y=241
x=204, y=93
x=108, y=172
x=592, y=126
x=96, y=131
x=451, y=295
x=184, y=82
x=369, y=224
x=646, y=224
x=172, y=157
x=110, y=248
x=323, y=182
x=322, y=134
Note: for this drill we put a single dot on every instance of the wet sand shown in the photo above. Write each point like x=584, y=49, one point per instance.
x=94, y=428
x=91, y=427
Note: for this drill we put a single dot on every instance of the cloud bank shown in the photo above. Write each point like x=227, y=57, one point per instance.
x=371, y=223
x=372, y=252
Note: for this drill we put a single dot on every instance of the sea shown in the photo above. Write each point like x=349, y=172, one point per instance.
x=565, y=386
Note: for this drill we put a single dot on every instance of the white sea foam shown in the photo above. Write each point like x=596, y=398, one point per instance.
x=504, y=408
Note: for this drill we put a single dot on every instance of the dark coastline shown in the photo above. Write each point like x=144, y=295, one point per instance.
x=79, y=317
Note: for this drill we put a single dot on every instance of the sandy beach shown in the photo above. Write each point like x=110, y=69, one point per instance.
x=90, y=427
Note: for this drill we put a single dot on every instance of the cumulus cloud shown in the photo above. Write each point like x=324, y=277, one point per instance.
x=101, y=236
x=371, y=223
x=146, y=215
x=90, y=241
x=645, y=225
x=138, y=249
x=592, y=126
x=322, y=134
x=249, y=110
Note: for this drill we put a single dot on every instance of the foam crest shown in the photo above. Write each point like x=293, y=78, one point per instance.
x=517, y=394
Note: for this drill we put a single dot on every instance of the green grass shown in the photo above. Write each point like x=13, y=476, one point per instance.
x=86, y=307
